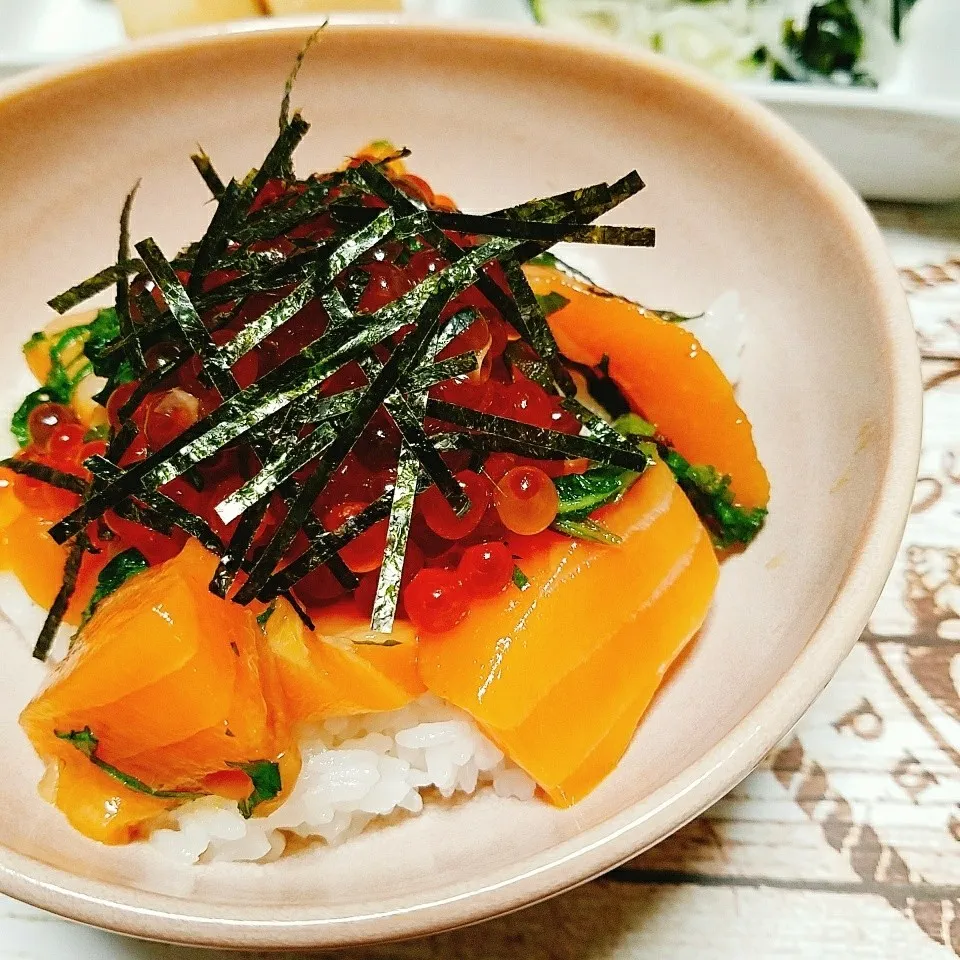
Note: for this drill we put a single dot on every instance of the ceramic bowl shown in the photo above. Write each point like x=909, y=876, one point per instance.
x=493, y=117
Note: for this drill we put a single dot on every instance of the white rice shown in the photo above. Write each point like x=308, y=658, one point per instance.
x=355, y=769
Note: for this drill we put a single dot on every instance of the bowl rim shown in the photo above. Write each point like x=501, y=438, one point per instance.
x=675, y=803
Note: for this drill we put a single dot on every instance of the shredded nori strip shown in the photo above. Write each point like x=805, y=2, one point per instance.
x=387, y=595
x=184, y=312
x=270, y=414
x=205, y=168
x=410, y=352
x=323, y=548
x=546, y=232
x=135, y=352
x=58, y=609
x=94, y=285
x=45, y=474
x=294, y=73
x=503, y=433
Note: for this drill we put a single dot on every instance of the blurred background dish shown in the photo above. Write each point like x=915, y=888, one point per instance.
x=874, y=84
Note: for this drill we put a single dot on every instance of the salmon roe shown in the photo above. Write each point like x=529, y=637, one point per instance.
x=451, y=559
x=527, y=500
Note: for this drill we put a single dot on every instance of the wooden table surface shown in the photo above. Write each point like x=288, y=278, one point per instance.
x=846, y=842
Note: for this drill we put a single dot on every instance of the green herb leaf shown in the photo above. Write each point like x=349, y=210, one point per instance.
x=264, y=617
x=18, y=422
x=267, y=784
x=551, y=302
x=587, y=529
x=89, y=745
x=831, y=41
x=100, y=432
x=709, y=491
x=117, y=572
x=582, y=493
x=520, y=580
x=632, y=424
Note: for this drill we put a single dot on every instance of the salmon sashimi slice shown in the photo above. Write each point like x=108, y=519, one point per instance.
x=37, y=561
x=341, y=668
x=173, y=682
x=569, y=759
x=549, y=671
x=664, y=373
x=99, y=807
x=510, y=651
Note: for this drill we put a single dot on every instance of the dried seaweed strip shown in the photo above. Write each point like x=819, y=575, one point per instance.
x=390, y=193
x=215, y=364
x=294, y=73
x=279, y=158
x=58, y=609
x=536, y=326
x=169, y=511
x=144, y=515
x=135, y=352
x=275, y=472
x=545, y=232
x=323, y=548
x=215, y=238
x=387, y=595
x=277, y=219
x=283, y=436
x=558, y=205
x=322, y=275
x=93, y=285
x=272, y=393
x=232, y=557
x=290, y=270
x=415, y=437
x=408, y=354
x=203, y=163
x=45, y=474
x=507, y=434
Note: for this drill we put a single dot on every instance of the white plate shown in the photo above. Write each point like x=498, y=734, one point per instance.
x=889, y=146
x=900, y=143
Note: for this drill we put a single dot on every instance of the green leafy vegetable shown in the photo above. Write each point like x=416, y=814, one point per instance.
x=264, y=774
x=551, y=302
x=116, y=573
x=831, y=41
x=632, y=424
x=709, y=491
x=18, y=422
x=582, y=493
x=587, y=529
x=88, y=744
x=267, y=784
x=72, y=356
x=264, y=617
